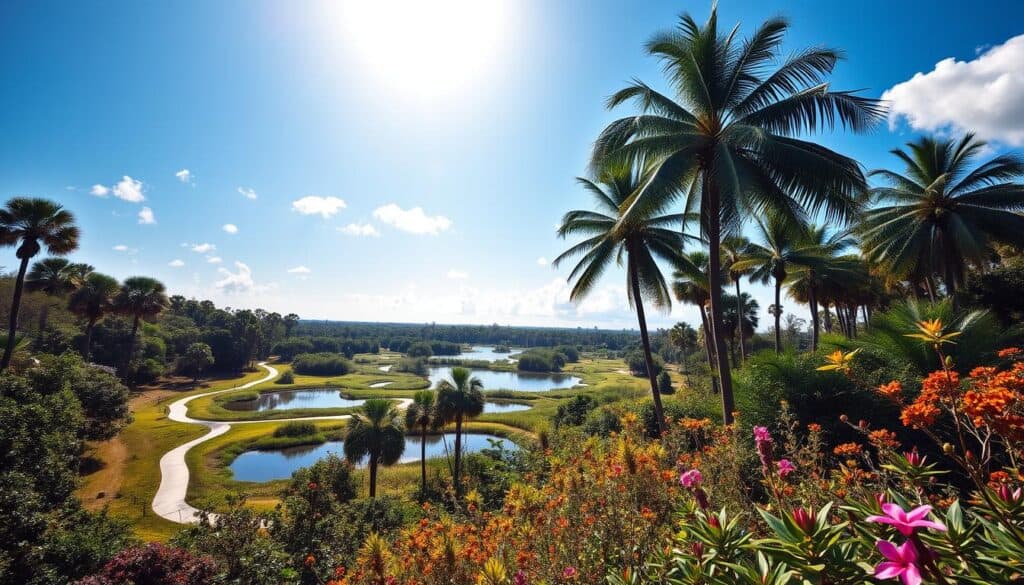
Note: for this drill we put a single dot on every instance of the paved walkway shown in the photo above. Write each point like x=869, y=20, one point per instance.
x=169, y=502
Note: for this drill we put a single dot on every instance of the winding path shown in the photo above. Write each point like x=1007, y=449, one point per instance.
x=169, y=502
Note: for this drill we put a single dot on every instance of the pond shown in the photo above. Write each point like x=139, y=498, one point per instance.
x=262, y=466
x=503, y=407
x=521, y=381
x=295, y=399
x=483, y=353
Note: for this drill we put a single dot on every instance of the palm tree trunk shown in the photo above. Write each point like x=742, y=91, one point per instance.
x=715, y=285
x=707, y=347
x=423, y=462
x=828, y=316
x=659, y=412
x=739, y=319
x=815, y=326
x=130, y=357
x=951, y=290
x=457, y=479
x=87, y=353
x=12, y=328
x=44, y=312
x=778, y=316
x=373, y=475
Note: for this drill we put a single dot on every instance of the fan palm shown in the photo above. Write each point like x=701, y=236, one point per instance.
x=140, y=298
x=728, y=137
x=690, y=285
x=375, y=432
x=458, y=399
x=739, y=328
x=638, y=247
x=52, y=277
x=32, y=224
x=942, y=215
x=422, y=415
x=734, y=251
x=93, y=300
x=815, y=259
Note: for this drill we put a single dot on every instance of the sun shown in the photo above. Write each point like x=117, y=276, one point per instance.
x=426, y=48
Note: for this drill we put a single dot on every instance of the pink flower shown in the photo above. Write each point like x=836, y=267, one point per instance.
x=906, y=522
x=1007, y=496
x=805, y=519
x=691, y=479
x=519, y=578
x=902, y=563
x=569, y=572
x=761, y=434
x=914, y=458
x=785, y=467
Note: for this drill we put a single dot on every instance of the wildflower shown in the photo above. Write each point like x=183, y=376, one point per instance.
x=931, y=332
x=785, y=467
x=698, y=549
x=906, y=522
x=838, y=361
x=691, y=478
x=519, y=578
x=805, y=519
x=914, y=458
x=892, y=390
x=312, y=485
x=310, y=560
x=1007, y=496
x=902, y=562
x=763, y=441
x=570, y=572
x=761, y=434
x=848, y=450
x=814, y=428
x=1009, y=352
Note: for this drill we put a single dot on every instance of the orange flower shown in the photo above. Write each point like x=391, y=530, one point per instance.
x=883, y=438
x=1009, y=352
x=892, y=390
x=848, y=450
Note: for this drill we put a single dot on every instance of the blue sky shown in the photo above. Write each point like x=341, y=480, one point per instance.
x=451, y=130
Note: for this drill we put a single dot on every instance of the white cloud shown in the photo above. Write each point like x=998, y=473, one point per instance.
x=247, y=192
x=100, y=190
x=176, y=263
x=202, y=248
x=185, y=176
x=121, y=248
x=129, y=189
x=542, y=261
x=299, y=270
x=214, y=259
x=146, y=216
x=414, y=220
x=233, y=282
x=318, y=205
x=457, y=274
x=230, y=228
x=982, y=96
x=359, y=229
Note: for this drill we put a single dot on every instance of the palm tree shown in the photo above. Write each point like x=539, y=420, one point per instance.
x=690, y=285
x=32, y=224
x=93, y=300
x=740, y=320
x=815, y=258
x=53, y=277
x=734, y=251
x=683, y=337
x=728, y=138
x=422, y=415
x=639, y=247
x=459, y=398
x=375, y=431
x=140, y=298
x=942, y=216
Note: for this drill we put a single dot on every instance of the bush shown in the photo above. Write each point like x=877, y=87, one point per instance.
x=574, y=412
x=602, y=422
x=295, y=429
x=149, y=371
x=286, y=378
x=572, y=355
x=540, y=360
x=155, y=564
x=332, y=473
x=445, y=348
x=674, y=410
x=420, y=349
x=665, y=383
x=321, y=364
x=638, y=365
x=291, y=347
x=416, y=366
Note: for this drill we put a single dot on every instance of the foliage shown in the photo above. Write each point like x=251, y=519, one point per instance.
x=375, y=433
x=287, y=349
x=416, y=366
x=321, y=364
x=196, y=359
x=540, y=360
x=638, y=365
x=574, y=412
x=665, y=383
x=297, y=428
x=420, y=349
x=286, y=378
x=155, y=564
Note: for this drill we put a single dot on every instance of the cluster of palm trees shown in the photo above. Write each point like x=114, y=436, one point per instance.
x=730, y=142
x=377, y=434
x=35, y=225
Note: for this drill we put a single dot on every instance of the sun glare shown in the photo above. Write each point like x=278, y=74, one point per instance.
x=426, y=49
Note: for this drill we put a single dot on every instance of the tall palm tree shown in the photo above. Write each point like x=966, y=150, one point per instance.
x=734, y=251
x=942, y=216
x=140, y=298
x=683, y=337
x=729, y=137
x=740, y=320
x=53, y=277
x=690, y=285
x=375, y=431
x=638, y=247
x=32, y=224
x=93, y=300
x=815, y=257
x=422, y=415
x=458, y=399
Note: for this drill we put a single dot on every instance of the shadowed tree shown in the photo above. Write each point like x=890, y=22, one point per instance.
x=53, y=277
x=728, y=136
x=93, y=300
x=683, y=337
x=459, y=398
x=743, y=328
x=290, y=321
x=690, y=285
x=375, y=432
x=140, y=298
x=422, y=415
x=734, y=251
x=33, y=224
x=638, y=248
x=942, y=216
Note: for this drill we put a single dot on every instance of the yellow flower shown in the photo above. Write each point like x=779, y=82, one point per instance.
x=931, y=332
x=493, y=573
x=838, y=361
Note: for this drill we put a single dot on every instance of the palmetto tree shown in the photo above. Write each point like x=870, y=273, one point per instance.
x=942, y=215
x=458, y=399
x=140, y=298
x=639, y=247
x=815, y=258
x=728, y=136
x=53, y=277
x=734, y=251
x=743, y=327
x=375, y=432
x=33, y=224
x=690, y=285
x=422, y=415
x=93, y=300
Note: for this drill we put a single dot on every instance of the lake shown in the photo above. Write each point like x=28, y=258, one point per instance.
x=483, y=353
x=521, y=381
x=295, y=399
x=502, y=407
x=260, y=466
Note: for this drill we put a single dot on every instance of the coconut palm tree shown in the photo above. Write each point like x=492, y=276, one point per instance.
x=638, y=247
x=375, y=431
x=733, y=138
x=743, y=327
x=93, y=300
x=52, y=277
x=33, y=224
x=422, y=415
x=140, y=298
x=942, y=216
x=734, y=251
x=459, y=398
x=815, y=258
x=690, y=285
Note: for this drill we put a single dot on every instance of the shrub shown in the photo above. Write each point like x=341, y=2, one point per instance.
x=540, y=360
x=445, y=348
x=321, y=364
x=665, y=383
x=155, y=564
x=602, y=422
x=638, y=365
x=416, y=366
x=286, y=378
x=674, y=410
x=572, y=355
x=420, y=349
x=295, y=429
x=291, y=347
x=574, y=412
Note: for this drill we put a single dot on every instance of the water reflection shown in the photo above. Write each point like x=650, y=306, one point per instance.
x=295, y=399
x=522, y=381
